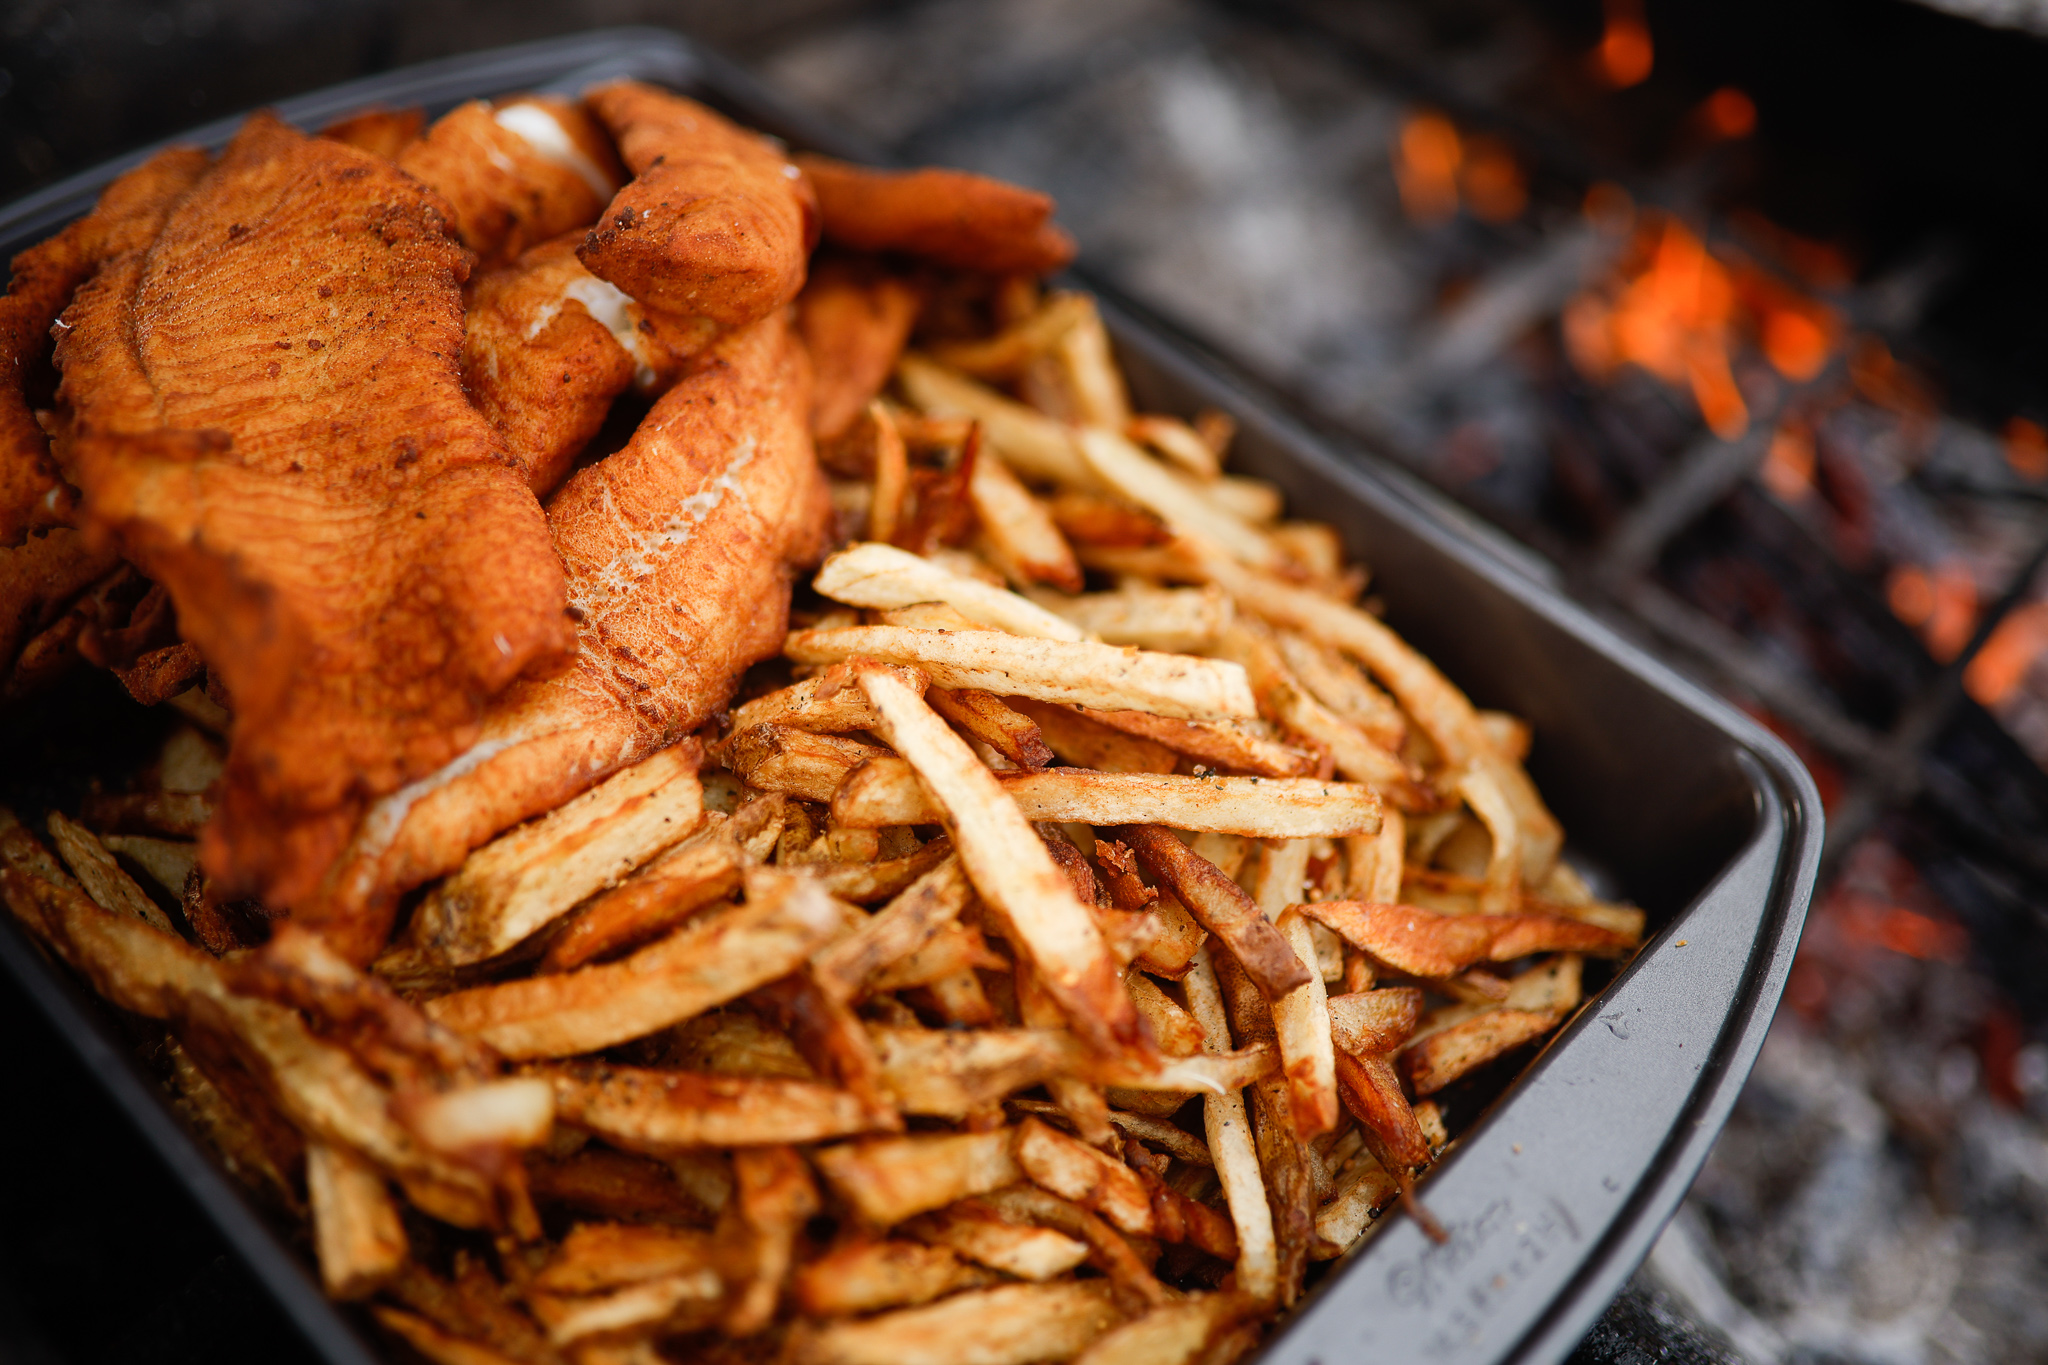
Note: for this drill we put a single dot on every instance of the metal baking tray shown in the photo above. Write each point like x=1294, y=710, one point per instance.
x=1684, y=804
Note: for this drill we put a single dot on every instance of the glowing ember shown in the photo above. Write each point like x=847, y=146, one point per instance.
x=1625, y=53
x=1426, y=159
x=2026, y=448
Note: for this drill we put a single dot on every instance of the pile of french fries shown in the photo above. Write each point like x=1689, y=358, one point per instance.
x=1052, y=957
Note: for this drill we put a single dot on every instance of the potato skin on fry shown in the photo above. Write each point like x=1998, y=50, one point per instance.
x=951, y=218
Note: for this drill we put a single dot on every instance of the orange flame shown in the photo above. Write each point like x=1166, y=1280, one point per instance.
x=1894, y=927
x=1427, y=155
x=1494, y=184
x=1728, y=114
x=2026, y=448
x=1625, y=54
x=1942, y=605
x=1788, y=465
x=2001, y=665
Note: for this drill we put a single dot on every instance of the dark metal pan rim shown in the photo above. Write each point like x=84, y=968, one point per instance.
x=1761, y=891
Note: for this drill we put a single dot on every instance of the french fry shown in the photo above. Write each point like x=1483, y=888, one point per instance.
x=102, y=877
x=705, y=963
x=984, y=717
x=1022, y=536
x=1031, y=443
x=1173, y=1333
x=1342, y=686
x=169, y=862
x=885, y=791
x=1301, y=1018
x=1364, y=1193
x=599, y=1256
x=1094, y=520
x=1284, y=1159
x=1010, y=868
x=1178, y=442
x=1102, y=1184
x=777, y=758
x=658, y=1112
x=826, y=701
x=1176, y=1142
x=475, y=1309
x=886, y=1180
x=1190, y=510
x=181, y=814
x=703, y=868
x=515, y=1111
x=882, y=578
x=614, y=1184
x=830, y=1038
x=1076, y=671
x=953, y=949
x=1445, y=714
x=866, y=1275
x=1422, y=943
x=1082, y=1102
x=773, y=1195
x=356, y=1232
x=1433, y=1062
x=1004, y=355
x=1222, y=908
x=891, y=477
x=435, y=1342
x=681, y=1301
x=1511, y=735
x=1372, y=1092
x=899, y=929
x=1225, y=745
x=1086, y=743
x=1175, y=1029
x=1374, y=1021
x=1283, y=698
x=1230, y=1145
x=1008, y=1325
x=1502, y=893
x=1172, y=620
x=952, y=1074
x=869, y=882
x=522, y=881
x=978, y=1232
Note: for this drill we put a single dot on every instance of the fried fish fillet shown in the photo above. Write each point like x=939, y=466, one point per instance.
x=264, y=412
x=680, y=551
x=547, y=346
x=129, y=214
x=855, y=316
x=716, y=222
x=950, y=218
x=381, y=132
x=517, y=173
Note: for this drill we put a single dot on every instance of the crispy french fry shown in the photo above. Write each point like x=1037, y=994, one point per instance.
x=435, y=1342
x=1022, y=536
x=1091, y=519
x=94, y=866
x=1364, y=1193
x=891, y=479
x=886, y=1180
x=1173, y=1333
x=885, y=791
x=615, y=1184
x=864, y=1276
x=777, y=758
x=1502, y=893
x=985, y=717
x=659, y=1112
x=703, y=868
x=952, y=1074
x=978, y=1232
x=1422, y=943
x=169, y=862
x=1009, y=866
x=868, y=882
x=1301, y=1018
x=1190, y=510
x=705, y=963
x=1372, y=1092
x=1445, y=714
x=1252, y=500
x=1342, y=686
x=1031, y=443
x=1173, y=620
x=678, y=1302
x=1178, y=442
x=1222, y=908
x=882, y=577
x=1374, y=1021
x=1176, y=1030
x=1228, y=745
x=1050, y=670
x=1283, y=698
x=827, y=702
x=773, y=1195
x=1176, y=1142
x=1004, y=355
x=1230, y=1144
x=899, y=929
x=1099, y=1182
x=356, y=1232
x=1086, y=743
x=1284, y=1159
x=598, y=1256
x=522, y=881
x=954, y=949
x=1008, y=1325
x=1433, y=1062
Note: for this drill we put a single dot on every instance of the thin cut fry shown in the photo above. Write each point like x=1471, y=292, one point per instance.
x=882, y=578
x=884, y=791
x=1283, y=698
x=1076, y=671
x=1178, y=442
x=1173, y=620
x=1503, y=890
x=515, y=885
x=777, y=758
x=1422, y=943
x=1098, y=1182
x=102, y=877
x=1021, y=533
x=1173, y=1333
x=703, y=868
x=827, y=702
x=1010, y=868
x=1301, y=1018
x=773, y=1195
x=1223, y=909
x=1230, y=1143
x=984, y=717
x=703, y=964
x=896, y=931
x=892, y=477
x=979, y=1233
x=1339, y=684
x=1086, y=743
x=1004, y=355
x=1031, y=443
x=356, y=1232
x=660, y=1112
x=1374, y=1021
x=1010, y=1325
x=1225, y=745
x=864, y=1276
x=1136, y=475
x=1435, y=1061
x=887, y=1180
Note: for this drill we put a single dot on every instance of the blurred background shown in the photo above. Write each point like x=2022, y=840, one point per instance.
x=1736, y=316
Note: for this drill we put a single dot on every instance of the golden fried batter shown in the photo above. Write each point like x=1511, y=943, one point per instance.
x=265, y=413
x=952, y=218
x=680, y=550
x=855, y=318
x=547, y=346
x=129, y=214
x=516, y=174
x=716, y=222
x=381, y=132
